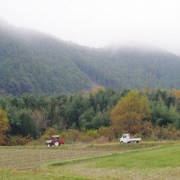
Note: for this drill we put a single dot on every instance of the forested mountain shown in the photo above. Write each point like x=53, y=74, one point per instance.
x=132, y=68
x=35, y=62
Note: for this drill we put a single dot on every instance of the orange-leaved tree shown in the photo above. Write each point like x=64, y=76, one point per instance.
x=4, y=126
x=129, y=113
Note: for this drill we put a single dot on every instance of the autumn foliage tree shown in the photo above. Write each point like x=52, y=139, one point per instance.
x=130, y=113
x=4, y=126
x=177, y=94
x=99, y=88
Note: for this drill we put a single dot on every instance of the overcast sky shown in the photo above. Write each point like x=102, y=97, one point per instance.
x=98, y=23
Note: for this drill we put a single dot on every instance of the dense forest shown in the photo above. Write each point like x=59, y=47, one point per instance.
x=36, y=63
x=137, y=112
x=32, y=62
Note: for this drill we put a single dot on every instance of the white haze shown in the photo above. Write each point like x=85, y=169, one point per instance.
x=98, y=23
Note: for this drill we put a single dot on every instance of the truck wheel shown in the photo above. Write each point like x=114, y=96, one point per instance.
x=48, y=145
x=56, y=143
x=121, y=142
x=135, y=141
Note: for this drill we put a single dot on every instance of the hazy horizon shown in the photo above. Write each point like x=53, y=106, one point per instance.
x=100, y=23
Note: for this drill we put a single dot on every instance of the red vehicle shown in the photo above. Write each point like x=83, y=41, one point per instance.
x=55, y=141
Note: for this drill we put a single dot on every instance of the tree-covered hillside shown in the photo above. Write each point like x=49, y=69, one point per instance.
x=38, y=63
x=132, y=68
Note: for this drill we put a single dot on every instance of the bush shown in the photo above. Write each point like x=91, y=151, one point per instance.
x=166, y=132
x=18, y=140
x=146, y=128
x=153, y=138
x=64, y=135
x=92, y=133
x=107, y=132
x=81, y=136
x=88, y=136
x=73, y=135
x=4, y=140
x=49, y=132
x=102, y=139
x=85, y=138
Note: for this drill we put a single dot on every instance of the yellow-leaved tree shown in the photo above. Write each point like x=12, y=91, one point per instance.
x=130, y=112
x=177, y=94
x=99, y=88
x=4, y=126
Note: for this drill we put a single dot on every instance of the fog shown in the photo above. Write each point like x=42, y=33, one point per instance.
x=98, y=23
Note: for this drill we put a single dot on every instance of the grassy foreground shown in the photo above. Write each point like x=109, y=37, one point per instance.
x=152, y=163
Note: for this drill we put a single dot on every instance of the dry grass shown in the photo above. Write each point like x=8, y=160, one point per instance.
x=21, y=159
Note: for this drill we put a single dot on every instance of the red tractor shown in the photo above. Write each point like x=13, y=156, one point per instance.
x=54, y=141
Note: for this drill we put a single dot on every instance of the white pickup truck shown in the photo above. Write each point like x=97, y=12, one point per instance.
x=126, y=139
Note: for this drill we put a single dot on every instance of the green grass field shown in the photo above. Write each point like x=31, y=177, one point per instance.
x=157, y=162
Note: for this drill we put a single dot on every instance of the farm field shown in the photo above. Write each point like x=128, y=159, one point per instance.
x=31, y=157
x=155, y=160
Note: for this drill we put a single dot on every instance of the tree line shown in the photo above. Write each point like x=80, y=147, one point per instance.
x=134, y=111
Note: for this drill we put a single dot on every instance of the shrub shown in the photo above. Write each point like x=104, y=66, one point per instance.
x=49, y=132
x=64, y=135
x=107, y=132
x=85, y=138
x=73, y=135
x=146, y=128
x=102, y=139
x=166, y=132
x=88, y=136
x=92, y=133
x=4, y=140
x=153, y=138
x=18, y=140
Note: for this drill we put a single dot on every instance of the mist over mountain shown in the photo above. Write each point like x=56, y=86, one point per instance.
x=35, y=62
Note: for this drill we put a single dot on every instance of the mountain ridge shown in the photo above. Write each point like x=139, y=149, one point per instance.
x=35, y=62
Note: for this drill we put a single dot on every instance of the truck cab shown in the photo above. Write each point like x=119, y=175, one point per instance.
x=125, y=138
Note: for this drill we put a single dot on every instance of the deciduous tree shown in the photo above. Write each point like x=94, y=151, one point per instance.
x=4, y=123
x=130, y=112
x=4, y=127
